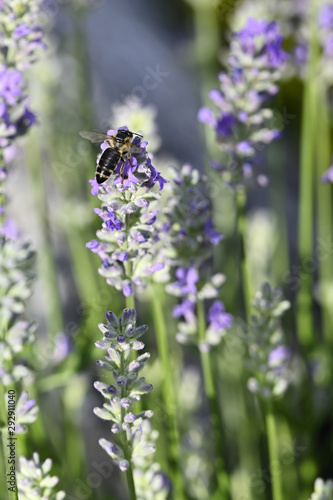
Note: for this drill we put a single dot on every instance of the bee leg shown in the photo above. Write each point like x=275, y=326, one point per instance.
x=123, y=165
x=129, y=161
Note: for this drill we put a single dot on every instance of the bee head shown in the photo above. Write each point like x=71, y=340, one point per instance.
x=124, y=134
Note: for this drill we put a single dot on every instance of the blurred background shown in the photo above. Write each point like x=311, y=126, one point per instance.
x=147, y=65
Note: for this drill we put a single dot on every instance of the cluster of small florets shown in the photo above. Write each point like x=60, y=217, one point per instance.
x=121, y=340
x=16, y=258
x=186, y=241
x=150, y=482
x=128, y=214
x=20, y=41
x=269, y=357
x=34, y=481
x=242, y=125
x=188, y=234
x=25, y=412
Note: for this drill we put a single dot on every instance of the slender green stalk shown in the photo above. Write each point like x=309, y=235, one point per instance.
x=129, y=472
x=46, y=259
x=215, y=415
x=245, y=272
x=168, y=391
x=130, y=302
x=278, y=194
x=206, y=47
x=324, y=212
x=304, y=316
x=127, y=451
x=273, y=450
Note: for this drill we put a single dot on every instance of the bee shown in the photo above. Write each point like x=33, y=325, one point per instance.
x=120, y=148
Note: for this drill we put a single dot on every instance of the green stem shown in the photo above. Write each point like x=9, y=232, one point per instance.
x=304, y=318
x=127, y=451
x=129, y=472
x=46, y=257
x=168, y=391
x=324, y=213
x=206, y=47
x=245, y=271
x=212, y=397
x=130, y=301
x=273, y=451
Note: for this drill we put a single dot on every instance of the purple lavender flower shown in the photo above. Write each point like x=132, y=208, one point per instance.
x=128, y=234
x=127, y=177
x=241, y=123
x=262, y=40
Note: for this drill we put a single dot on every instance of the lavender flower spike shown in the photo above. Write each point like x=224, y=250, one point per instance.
x=20, y=43
x=268, y=358
x=16, y=333
x=128, y=213
x=240, y=122
x=132, y=443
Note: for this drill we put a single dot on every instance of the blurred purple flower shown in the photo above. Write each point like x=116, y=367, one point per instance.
x=127, y=288
x=270, y=49
x=187, y=279
x=325, y=17
x=218, y=318
x=22, y=30
x=214, y=236
x=10, y=82
x=279, y=355
x=186, y=309
x=328, y=175
x=224, y=124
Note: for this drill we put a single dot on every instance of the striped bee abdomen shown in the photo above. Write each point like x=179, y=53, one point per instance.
x=107, y=163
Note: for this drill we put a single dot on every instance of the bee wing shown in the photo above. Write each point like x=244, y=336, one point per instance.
x=135, y=149
x=94, y=136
